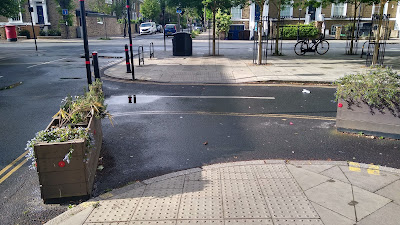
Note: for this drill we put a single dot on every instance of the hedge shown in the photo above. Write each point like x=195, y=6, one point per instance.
x=306, y=31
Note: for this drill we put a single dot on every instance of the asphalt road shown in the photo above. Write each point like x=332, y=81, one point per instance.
x=172, y=128
x=199, y=125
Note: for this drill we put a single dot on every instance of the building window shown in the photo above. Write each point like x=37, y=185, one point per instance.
x=339, y=10
x=236, y=13
x=287, y=11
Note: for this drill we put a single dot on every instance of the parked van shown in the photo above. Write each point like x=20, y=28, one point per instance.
x=148, y=28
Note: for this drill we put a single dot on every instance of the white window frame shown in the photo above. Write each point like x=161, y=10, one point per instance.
x=290, y=7
x=333, y=28
x=344, y=10
x=241, y=13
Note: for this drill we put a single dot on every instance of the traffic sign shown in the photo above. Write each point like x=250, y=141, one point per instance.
x=65, y=12
x=178, y=10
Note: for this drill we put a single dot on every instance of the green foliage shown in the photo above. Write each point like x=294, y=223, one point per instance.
x=379, y=89
x=42, y=33
x=150, y=9
x=54, y=32
x=305, y=31
x=10, y=8
x=25, y=33
x=223, y=21
x=195, y=33
x=101, y=6
x=66, y=4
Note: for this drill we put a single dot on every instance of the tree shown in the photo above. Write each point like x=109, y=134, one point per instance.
x=215, y=5
x=150, y=9
x=223, y=22
x=10, y=8
x=66, y=4
x=356, y=4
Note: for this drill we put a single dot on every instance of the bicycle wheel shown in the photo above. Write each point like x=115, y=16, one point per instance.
x=300, y=47
x=322, y=47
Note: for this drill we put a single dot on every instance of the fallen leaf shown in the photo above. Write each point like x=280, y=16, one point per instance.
x=100, y=167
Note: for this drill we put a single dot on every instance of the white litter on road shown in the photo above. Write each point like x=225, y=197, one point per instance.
x=306, y=91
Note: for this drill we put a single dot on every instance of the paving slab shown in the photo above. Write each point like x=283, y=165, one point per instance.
x=305, y=178
x=201, y=208
x=391, y=191
x=335, y=196
x=330, y=217
x=388, y=215
x=336, y=173
x=369, y=180
x=291, y=207
x=245, y=207
x=367, y=202
x=119, y=210
x=316, y=168
x=249, y=222
x=297, y=222
x=258, y=192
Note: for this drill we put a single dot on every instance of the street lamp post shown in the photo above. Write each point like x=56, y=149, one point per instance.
x=298, y=26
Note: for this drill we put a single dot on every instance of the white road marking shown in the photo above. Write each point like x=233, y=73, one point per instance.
x=45, y=63
x=1, y=76
x=205, y=96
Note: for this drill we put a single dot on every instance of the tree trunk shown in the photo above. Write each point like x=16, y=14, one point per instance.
x=378, y=35
x=260, y=29
x=353, y=28
x=277, y=31
x=214, y=25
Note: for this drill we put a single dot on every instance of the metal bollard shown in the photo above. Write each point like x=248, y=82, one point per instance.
x=128, y=64
x=151, y=50
x=141, y=54
x=96, y=65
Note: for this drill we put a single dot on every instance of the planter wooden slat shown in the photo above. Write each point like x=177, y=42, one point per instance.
x=65, y=177
x=63, y=190
x=47, y=149
x=360, y=119
x=75, y=178
x=51, y=165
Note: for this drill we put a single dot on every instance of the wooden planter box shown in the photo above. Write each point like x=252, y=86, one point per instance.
x=360, y=119
x=75, y=178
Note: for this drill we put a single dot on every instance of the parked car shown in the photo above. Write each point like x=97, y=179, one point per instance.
x=148, y=28
x=170, y=29
x=159, y=28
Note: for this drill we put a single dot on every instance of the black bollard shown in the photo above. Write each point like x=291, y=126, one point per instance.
x=128, y=64
x=134, y=98
x=129, y=99
x=96, y=65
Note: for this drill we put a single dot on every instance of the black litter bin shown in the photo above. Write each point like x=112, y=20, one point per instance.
x=182, y=44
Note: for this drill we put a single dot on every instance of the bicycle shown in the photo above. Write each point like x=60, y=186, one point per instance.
x=320, y=46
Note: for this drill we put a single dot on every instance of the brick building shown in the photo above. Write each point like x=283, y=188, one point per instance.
x=46, y=16
x=333, y=15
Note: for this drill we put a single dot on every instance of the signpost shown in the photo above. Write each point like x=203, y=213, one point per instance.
x=85, y=41
x=33, y=29
x=130, y=37
x=65, y=12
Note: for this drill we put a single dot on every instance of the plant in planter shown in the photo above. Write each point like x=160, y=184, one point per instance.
x=66, y=153
x=369, y=103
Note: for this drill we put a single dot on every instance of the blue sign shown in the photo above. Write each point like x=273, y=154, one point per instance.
x=65, y=12
x=178, y=10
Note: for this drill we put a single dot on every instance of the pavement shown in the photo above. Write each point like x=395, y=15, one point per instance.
x=269, y=192
x=232, y=67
